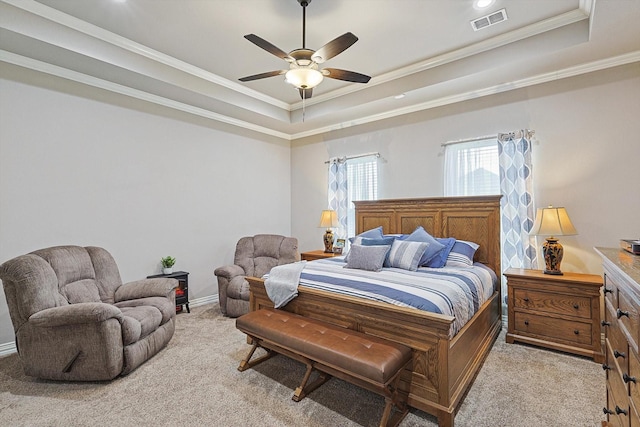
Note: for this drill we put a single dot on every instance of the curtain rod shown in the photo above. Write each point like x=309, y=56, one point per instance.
x=356, y=157
x=460, y=141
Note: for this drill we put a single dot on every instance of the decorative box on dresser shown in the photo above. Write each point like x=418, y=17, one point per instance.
x=556, y=312
x=621, y=327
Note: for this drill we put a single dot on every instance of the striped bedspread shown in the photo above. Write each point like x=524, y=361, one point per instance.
x=457, y=292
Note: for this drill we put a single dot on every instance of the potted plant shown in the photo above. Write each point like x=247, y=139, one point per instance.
x=167, y=264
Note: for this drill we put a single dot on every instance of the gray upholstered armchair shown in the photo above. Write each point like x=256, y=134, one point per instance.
x=255, y=256
x=75, y=320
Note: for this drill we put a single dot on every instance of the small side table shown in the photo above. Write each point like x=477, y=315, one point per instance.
x=182, y=292
x=314, y=255
x=555, y=312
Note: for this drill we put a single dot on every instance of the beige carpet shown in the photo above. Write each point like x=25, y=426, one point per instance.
x=194, y=381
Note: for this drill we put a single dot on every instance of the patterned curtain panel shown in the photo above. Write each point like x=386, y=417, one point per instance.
x=338, y=193
x=518, y=213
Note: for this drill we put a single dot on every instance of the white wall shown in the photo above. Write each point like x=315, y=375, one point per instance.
x=80, y=166
x=585, y=154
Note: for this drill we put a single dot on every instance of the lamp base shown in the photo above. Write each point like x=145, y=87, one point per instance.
x=328, y=241
x=553, y=253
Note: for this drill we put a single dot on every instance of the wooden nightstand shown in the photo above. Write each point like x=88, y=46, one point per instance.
x=555, y=312
x=319, y=254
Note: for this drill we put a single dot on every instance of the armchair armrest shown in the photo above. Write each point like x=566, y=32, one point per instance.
x=158, y=287
x=73, y=314
x=229, y=271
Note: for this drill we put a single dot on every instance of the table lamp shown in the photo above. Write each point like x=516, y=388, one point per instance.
x=552, y=222
x=328, y=219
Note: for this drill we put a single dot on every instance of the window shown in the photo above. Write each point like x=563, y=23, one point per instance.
x=472, y=168
x=362, y=184
x=351, y=179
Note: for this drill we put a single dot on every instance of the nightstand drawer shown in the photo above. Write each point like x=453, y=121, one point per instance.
x=565, y=330
x=553, y=303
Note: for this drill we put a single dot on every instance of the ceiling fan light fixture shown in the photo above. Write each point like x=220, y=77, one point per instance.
x=304, y=78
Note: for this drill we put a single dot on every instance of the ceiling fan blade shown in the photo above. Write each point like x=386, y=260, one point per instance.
x=262, y=43
x=263, y=75
x=334, y=47
x=349, y=76
x=305, y=93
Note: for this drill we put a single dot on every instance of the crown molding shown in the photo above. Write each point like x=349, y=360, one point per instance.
x=490, y=90
x=96, y=32
x=540, y=27
x=54, y=70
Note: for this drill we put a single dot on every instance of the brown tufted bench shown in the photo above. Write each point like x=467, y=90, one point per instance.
x=369, y=362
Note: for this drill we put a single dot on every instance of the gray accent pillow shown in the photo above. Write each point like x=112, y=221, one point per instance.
x=406, y=255
x=370, y=258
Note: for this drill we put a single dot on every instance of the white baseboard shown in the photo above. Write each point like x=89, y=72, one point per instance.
x=10, y=347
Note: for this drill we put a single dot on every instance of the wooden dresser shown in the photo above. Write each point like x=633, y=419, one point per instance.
x=556, y=312
x=621, y=326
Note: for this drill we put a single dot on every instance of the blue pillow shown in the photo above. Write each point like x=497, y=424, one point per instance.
x=374, y=233
x=440, y=259
x=461, y=254
x=420, y=235
x=406, y=255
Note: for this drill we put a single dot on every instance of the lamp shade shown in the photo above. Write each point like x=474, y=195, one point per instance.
x=329, y=218
x=553, y=222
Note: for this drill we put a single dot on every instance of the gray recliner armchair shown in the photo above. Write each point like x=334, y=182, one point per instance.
x=255, y=256
x=75, y=320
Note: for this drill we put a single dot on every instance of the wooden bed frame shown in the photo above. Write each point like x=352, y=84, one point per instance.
x=443, y=368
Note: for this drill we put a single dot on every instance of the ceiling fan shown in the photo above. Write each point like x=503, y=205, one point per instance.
x=303, y=72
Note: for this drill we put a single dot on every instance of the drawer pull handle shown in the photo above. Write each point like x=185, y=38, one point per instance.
x=607, y=290
x=617, y=354
x=525, y=299
x=605, y=323
x=607, y=411
x=576, y=306
x=620, y=411
x=526, y=322
x=621, y=313
x=606, y=367
x=627, y=378
x=577, y=332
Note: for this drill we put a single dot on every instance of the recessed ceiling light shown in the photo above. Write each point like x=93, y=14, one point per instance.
x=402, y=95
x=482, y=4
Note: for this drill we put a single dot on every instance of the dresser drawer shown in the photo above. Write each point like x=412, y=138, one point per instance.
x=553, y=303
x=610, y=291
x=620, y=401
x=633, y=380
x=615, y=338
x=546, y=327
x=628, y=315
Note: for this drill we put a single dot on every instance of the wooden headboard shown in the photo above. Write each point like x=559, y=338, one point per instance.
x=476, y=219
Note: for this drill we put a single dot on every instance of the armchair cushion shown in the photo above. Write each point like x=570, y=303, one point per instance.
x=138, y=322
x=238, y=288
x=81, y=291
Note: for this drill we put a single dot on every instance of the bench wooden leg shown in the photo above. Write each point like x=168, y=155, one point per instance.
x=246, y=363
x=304, y=389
